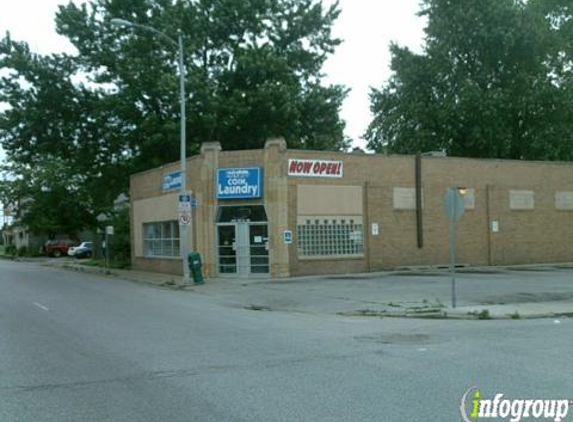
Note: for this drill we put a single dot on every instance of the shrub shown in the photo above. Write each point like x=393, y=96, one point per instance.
x=484, y=314
x=515, y=315
x=11, y=250
x=119, y=243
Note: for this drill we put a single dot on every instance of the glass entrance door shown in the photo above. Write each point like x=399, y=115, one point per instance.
x=227, y=251
x=243, y=248
x=259, y=248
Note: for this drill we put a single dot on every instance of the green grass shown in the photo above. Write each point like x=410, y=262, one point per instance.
x=117, y=265
x=483, y=314
x=515, y=315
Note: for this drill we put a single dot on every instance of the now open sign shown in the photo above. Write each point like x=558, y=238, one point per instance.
x=315, y=168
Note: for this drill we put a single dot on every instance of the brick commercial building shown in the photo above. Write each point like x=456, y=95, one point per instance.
x=279, y=212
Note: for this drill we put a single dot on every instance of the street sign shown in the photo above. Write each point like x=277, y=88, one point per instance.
x=287, y=236
x=453, y=204
x=184, y=202
x=184, y=205
x=454, y=208
x=184, y=219
x=109, y=230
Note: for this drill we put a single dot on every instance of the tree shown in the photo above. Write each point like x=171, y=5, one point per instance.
x=65, y=155
x=494, y=80
x=253, y=71
x=119, y=242
x=78, y=125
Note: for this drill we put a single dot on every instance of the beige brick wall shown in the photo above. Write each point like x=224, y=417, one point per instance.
x=542, y=234
x=149, y=203
x=151, y=210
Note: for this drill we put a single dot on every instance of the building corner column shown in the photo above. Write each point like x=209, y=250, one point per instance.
x=276, y=201
x=131, y=227
x=206, y=211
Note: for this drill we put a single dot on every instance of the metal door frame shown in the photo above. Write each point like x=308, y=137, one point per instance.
x=242, y=247
x=264, y=244
x=234, y=225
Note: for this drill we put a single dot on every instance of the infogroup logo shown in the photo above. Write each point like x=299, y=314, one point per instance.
x=474, y=407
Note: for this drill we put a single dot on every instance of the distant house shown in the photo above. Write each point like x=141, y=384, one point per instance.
x=21, y=237
x=17, y=234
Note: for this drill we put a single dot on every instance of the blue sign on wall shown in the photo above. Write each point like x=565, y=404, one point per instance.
x=240, y=183
x=171, y=181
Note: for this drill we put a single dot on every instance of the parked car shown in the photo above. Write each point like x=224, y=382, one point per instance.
x=57, y=247
x=84, y=250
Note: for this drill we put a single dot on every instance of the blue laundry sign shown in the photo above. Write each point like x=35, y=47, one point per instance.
x=171, y=181
x=240, y=183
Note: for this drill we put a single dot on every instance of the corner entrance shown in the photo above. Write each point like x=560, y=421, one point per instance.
x=242, y=241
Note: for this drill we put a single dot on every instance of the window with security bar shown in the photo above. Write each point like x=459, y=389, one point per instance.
x=161, y=239
x=330, y=236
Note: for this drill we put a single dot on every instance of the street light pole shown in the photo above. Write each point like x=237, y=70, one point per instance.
x=184, y=228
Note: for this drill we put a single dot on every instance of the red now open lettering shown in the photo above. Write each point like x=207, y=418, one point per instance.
x=315, y=168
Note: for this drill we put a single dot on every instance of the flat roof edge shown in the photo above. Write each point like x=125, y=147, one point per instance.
x=369, y=155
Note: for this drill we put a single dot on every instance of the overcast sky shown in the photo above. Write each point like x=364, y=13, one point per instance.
x=366, y=26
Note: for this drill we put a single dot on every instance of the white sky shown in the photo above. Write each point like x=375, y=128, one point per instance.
x=362, y=61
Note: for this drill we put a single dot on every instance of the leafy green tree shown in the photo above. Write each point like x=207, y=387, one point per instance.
x=494, y=80
x=77, y=125
x=65, y=156
x=252, y=71
x=119, y=244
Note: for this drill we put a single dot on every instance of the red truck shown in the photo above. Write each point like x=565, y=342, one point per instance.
x=57, y=247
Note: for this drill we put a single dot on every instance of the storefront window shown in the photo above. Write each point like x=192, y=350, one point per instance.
x=330, y=237
x=161, y=239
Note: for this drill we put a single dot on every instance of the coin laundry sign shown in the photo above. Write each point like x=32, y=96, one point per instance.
x=315, y=168
x=239, y=183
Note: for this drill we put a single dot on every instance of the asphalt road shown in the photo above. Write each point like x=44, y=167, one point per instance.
x=78, y=347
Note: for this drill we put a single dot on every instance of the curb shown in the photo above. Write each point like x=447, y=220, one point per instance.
x=450, y=314
x=112, y=274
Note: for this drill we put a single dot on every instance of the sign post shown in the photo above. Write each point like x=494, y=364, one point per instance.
x=454, y=209
x=184, y=206
x=108, y=232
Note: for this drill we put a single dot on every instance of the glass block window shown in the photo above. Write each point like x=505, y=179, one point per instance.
x=330, y=236
x=161, y=239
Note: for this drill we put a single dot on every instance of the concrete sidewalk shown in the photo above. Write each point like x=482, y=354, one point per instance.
x=483, y=293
